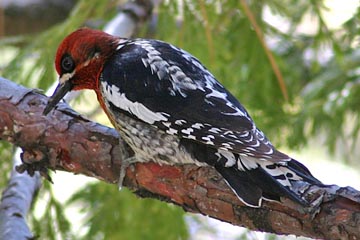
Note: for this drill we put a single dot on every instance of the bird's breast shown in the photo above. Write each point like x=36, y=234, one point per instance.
x=148, y=142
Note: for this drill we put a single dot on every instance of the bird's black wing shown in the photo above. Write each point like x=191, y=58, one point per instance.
x=170, y=89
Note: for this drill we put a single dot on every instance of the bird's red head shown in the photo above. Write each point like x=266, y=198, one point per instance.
x=79, y=61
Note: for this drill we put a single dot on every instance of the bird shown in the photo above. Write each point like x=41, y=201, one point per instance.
x=171, y=110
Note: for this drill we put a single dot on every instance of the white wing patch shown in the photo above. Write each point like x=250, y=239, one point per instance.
x=162, y=68
x=214, y=93
x=229, y=156
x=112, y=94
x=243, y=162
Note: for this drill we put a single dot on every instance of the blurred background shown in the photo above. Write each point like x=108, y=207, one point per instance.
x=302, y=88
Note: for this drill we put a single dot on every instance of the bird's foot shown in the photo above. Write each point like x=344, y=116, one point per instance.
x=124, y=165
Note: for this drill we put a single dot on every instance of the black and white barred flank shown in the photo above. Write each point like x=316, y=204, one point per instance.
x=171, y=109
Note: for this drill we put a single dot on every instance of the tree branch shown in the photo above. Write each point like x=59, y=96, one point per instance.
x=15, y=203
x=64, y=140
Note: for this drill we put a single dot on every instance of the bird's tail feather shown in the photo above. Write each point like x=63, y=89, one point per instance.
x=303, y=172
x=254, y=185
x=239, y=182
x=253, y=179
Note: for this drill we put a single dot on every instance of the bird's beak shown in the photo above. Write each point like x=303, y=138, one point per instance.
x=59, y=93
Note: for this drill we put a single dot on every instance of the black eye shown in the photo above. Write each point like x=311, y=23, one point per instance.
x=67, y=64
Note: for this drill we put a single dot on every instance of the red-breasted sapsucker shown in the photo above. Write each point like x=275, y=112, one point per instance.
x=171, y=110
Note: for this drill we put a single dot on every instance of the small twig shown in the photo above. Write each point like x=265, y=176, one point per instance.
x=207, y=31
x=268, y=53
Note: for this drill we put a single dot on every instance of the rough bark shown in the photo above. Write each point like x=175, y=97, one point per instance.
x=66, y=141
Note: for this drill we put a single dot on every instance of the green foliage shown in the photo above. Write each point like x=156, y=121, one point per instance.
x=332, y=99
x=111, y=214
x=51, y=223
x=6, y=161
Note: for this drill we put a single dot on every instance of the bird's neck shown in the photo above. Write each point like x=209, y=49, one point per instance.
x=103, y=105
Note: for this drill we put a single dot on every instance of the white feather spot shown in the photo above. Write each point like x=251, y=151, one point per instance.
x=227, y=145
x=216, y=94
x=145, y=62
x=191, y=137
x=172, y=131
x=167, y=124
x=256, y=144
x=206, y=138
x=121, y=43
x=269, y=152
x=244, y=134
x=180, y=122
x=214, y=130
x=209, y=143
x=187, y=131
x=113, y=95
x=197, y=125
x=229, y=156
x=248, y=162
x=228, y=132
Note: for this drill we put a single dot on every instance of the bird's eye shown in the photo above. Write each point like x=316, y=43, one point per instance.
x=67, y=64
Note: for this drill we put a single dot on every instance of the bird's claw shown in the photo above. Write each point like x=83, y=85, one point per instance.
x=125, y=164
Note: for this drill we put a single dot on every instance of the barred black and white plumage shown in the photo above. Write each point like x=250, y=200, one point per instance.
x=171, y=110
